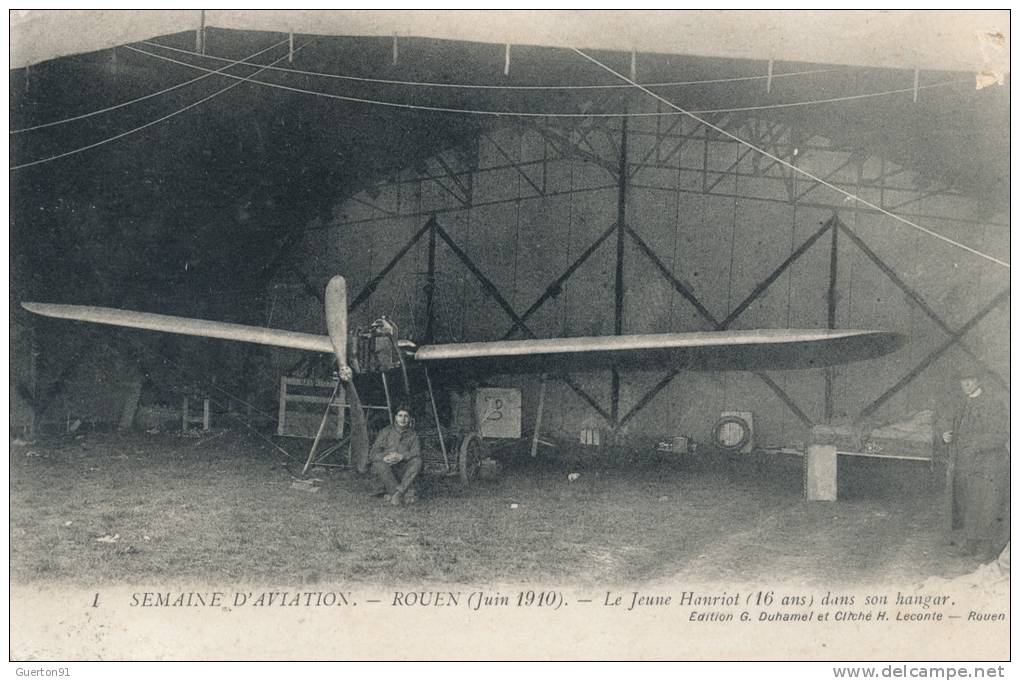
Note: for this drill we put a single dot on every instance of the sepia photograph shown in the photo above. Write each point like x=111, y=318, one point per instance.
x=545, y=334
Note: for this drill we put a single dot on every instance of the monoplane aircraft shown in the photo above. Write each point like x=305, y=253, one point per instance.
x=378, y=349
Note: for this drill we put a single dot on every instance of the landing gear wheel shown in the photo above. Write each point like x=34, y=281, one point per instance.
x=469, y=459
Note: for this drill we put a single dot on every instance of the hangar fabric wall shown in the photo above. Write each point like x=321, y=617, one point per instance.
x=526, y=200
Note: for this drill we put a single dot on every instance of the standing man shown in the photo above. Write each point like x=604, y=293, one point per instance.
x=980, y=479
x=397, y=453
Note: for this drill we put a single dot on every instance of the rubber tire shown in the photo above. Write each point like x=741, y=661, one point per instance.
x=469, y=457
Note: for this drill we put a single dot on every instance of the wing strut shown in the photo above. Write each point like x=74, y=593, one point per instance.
x=538, y=416
x=435, y=415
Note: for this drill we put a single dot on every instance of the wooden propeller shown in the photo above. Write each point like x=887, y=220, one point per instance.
x=336, y=325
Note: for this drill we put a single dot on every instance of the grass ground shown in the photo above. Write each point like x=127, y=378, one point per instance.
x=221, y=508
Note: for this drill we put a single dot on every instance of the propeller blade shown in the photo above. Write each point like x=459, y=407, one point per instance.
x=336, y=323
x=359, y=429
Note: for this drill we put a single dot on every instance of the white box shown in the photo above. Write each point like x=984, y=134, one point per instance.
x=820, y=473
x=498, y=412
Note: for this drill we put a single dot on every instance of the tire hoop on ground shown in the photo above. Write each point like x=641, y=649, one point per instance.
x=722, y=433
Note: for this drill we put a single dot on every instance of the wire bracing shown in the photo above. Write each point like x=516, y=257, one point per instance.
x=151, y=95
x=555, y=114
x=849, y=196
x=139, y=128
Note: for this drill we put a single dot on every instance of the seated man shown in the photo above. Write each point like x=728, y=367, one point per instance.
x=397, y=452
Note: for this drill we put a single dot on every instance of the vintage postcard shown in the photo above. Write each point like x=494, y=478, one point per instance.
x=510, y=335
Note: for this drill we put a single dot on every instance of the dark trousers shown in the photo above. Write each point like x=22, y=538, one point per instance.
x=388, y=473
x=982, y=493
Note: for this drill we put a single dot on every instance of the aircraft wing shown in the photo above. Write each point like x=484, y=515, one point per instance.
x=714, y=350
x=184, y=325
x=721, y=350
x=335, y=308
x=710, y=350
